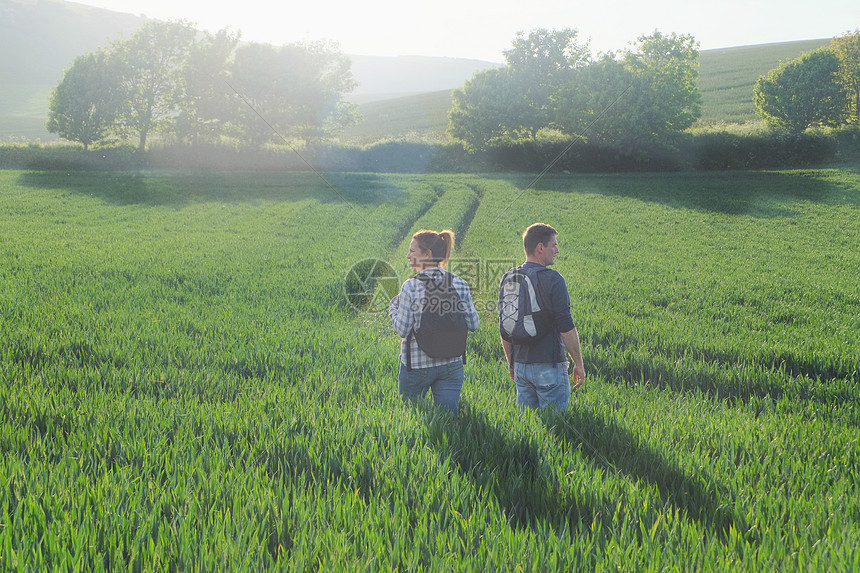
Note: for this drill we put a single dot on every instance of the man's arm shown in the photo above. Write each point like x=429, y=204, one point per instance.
x=508, y=348
x=571, y=344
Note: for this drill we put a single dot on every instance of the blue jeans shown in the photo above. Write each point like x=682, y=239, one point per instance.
x=542, y=384
x=445, y=381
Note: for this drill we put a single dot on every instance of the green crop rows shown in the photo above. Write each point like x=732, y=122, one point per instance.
x=186, y=387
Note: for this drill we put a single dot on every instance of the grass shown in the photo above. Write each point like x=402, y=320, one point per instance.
x=184, y=385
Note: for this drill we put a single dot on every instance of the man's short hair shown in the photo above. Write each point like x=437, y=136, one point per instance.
x=537, y=233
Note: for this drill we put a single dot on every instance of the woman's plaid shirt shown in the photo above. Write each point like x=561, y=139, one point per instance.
x=405, y=313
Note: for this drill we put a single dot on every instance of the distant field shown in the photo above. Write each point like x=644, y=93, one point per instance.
x=184, y=386
x=419, y=117
x=23, y=112
x=727, y=77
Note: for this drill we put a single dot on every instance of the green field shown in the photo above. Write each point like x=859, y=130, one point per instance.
x=185, y=386
x=727, y=77
x=24, y=111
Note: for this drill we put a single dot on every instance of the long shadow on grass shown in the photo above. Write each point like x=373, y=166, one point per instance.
x=178, y=189
x=512, y=471
x=615, y=448
x=756, y=194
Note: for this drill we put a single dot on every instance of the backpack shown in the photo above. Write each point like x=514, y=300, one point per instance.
x=443, y=328
x=523, y=317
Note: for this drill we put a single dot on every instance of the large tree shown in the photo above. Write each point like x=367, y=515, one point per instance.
x=152, y=61
x=541, y=64
x=206, y=102
x=292, y=92
x=488, y=109
x=847, y=48
x=667, y=66
x=591, y=108
x=519, y=100
x=85, y=104
x=802, y=93
x=638, y=101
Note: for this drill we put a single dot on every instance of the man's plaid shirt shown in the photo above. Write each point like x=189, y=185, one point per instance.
x=405, y=313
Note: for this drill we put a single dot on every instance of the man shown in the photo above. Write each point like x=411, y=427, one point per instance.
x=540, y=368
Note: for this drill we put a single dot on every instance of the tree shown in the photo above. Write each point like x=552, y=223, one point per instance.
x=541, y=64
x=638, y=102
x=847, y=48
x=85, y=104
x=802, y=93
x=592, y=109
x=487, y=110
x=519, y=100
x=152, y=62
x=668, y=69
x=206, y=102
x=293, y=92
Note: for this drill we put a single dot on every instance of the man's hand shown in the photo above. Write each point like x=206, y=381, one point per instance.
x=509, y=350
x=578, y=375
x=571, y=344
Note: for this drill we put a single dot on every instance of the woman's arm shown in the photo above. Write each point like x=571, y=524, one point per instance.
x=400, y=310
x=469, y=309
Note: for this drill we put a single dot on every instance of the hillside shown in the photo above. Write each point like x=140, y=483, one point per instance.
x=727, y=77
x=386, y=78
x=45, y=37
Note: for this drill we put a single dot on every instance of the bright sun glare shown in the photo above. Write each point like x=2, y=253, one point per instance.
x=482, y=29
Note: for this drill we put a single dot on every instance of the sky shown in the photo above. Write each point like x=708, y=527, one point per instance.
x=483, y=29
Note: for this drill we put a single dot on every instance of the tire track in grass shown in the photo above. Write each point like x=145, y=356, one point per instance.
x=448, y=204
x=409, y=223
x=453, y=206
x=454, y=209
x=469, y=215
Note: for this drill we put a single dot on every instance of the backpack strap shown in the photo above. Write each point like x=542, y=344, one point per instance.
x=423, y=279
x=409, y=352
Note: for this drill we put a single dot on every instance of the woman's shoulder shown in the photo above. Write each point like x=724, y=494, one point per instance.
x=458, y=281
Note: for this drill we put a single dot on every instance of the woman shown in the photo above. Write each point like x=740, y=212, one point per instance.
x=429, y=251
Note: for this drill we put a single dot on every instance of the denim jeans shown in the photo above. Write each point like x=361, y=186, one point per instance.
x=542, y=384
x=445, y=381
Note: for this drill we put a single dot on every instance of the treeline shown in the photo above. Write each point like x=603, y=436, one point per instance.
x=641, y=101
x=214, y=103
x=192, y=87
